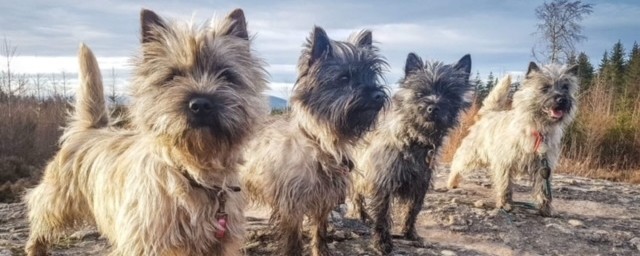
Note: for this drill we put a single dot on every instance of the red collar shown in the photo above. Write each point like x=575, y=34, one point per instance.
x=539, y=139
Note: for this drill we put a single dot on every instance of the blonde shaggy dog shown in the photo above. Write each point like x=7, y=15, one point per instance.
x=523, y=138
x=165, y=186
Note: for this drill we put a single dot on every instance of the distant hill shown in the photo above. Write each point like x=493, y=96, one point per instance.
x=277, y=103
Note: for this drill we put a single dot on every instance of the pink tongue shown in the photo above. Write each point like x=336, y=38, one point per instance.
x=557, y=113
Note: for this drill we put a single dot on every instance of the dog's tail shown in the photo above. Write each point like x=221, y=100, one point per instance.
x=498, y=98
x=90, y=108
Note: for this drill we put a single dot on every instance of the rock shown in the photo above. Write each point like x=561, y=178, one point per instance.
x=422, y=251
x=495, y=212
x=598, y=236
x=343, y=209
x=339, y=235
x=458, y=228
x=5, y=252
x=441, y=190
x=454, y=201
x=358, y=249
x=576, y=223
x=635, y=242
x=448, y=253
x=453, y=219
x=399, y=252
x=479, y=203
x=336, y=216
x=559, y=228
x=85, y=234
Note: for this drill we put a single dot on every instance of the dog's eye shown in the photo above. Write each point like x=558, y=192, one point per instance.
x=226, y=75
x=344, y=78
x=175, y=73
x=546, y=87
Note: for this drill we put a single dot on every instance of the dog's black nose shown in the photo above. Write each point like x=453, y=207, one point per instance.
x=379, y=96
x=561, y=100
x=200, y=105
x=432, y=109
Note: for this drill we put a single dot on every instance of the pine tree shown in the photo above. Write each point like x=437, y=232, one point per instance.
x=478, y=86
x=603, y=63
x=617, y=68
x=488, y=86
x=573, y=59
x=632, y=74
x=585, y=70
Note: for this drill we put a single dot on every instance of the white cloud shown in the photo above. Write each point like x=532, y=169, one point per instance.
x=48, y=65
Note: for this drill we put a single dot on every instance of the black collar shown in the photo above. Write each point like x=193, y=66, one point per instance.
x=210, y=189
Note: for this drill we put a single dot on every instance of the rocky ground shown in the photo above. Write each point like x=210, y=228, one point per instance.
x=593, y=217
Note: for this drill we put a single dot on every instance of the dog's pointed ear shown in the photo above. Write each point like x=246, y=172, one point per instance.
x=149, y=22
x=320, y=45
x=533, y=67
x=414, y=63
x=464, y=64
x=237, y=25
x=573, y=70
x=362, y=39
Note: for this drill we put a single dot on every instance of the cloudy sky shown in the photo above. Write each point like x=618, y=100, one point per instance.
x=497, y=33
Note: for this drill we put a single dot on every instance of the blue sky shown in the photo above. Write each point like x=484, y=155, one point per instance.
x=497, y=33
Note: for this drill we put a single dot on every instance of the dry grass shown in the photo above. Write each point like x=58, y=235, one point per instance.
x=604, y=141
x=29, y=134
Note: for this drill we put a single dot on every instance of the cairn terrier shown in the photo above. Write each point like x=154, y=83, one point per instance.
x=300, y=166
x=168, y=185
x=396, y=160
x=523, y=138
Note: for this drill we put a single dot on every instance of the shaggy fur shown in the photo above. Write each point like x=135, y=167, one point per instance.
x=162, y=186
x=397, y=159
x=504, y=137
x=299, y=166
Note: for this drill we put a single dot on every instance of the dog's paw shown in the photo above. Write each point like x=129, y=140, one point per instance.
x=412, y=236
x=321, y=251
x=383, y=247
x=505, y=206
x=545, y=211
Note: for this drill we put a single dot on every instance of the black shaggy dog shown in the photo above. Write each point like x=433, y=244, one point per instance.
x=396, y=160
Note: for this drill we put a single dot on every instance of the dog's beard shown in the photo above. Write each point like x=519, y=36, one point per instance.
x=223, y=126
x=359, y=116
x=359, y=121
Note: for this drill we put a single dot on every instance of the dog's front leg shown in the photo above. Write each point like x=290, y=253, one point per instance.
x=542, y=187
x=413, y=208
x=319, y=235
x=381, y=204
x=289, y=230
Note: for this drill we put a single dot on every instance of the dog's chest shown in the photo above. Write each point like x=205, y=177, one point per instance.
x=412, y=164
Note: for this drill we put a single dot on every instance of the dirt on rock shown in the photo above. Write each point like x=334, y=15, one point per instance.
x=592, y=217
